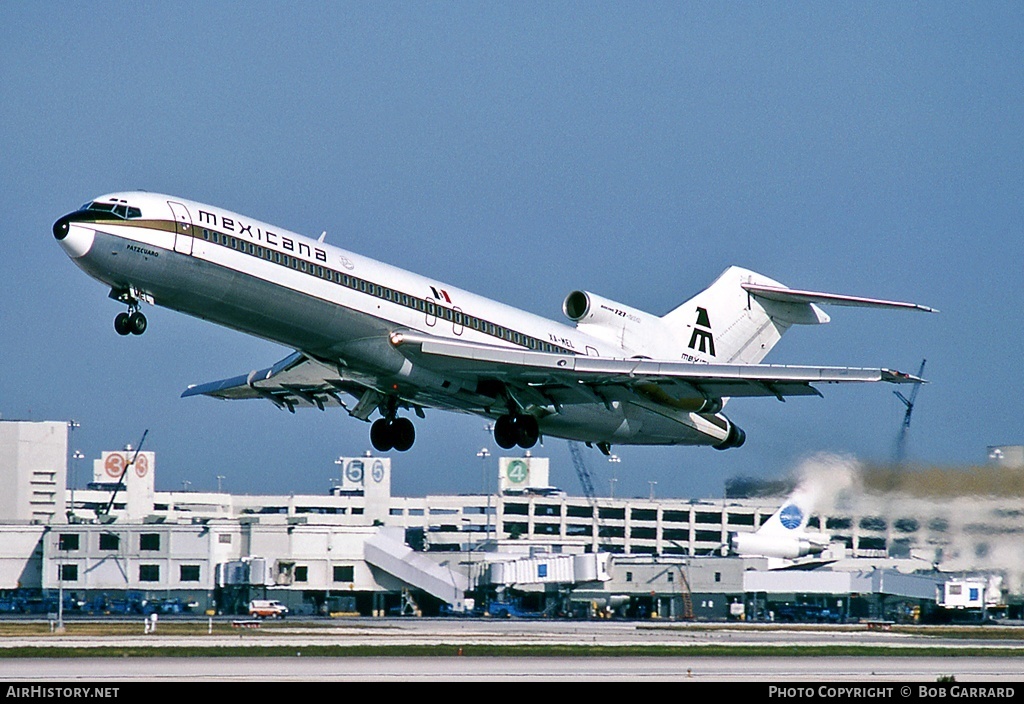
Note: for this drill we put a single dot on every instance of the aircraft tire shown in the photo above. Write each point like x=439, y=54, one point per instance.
x=380, y=435
x=403, y=434
x=121, y=324
x=527, y=431
x=137, y=323
x=505, y=433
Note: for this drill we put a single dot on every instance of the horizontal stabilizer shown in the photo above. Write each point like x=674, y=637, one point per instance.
x=789, y=295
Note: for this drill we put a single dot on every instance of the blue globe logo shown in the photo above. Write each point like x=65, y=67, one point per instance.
x=791, y=516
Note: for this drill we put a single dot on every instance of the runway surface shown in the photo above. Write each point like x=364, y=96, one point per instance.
x=466, y=635
x=529, y=669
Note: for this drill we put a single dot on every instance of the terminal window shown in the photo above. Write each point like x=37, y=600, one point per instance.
x=109, y=541
x=149, y=573
x=344, y=573
x=68, y=541
x=67, y=573
x=189, y=573
x=149, y=541
x=301, y=573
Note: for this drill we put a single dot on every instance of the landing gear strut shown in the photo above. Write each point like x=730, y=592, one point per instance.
x=390, y=432
x=516, y=429
x=133, y=322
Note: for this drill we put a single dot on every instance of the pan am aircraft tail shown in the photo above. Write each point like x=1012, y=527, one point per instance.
x=784, y=534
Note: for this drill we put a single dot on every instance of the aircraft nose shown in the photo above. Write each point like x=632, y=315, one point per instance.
x=74, y=237
x=62, y=227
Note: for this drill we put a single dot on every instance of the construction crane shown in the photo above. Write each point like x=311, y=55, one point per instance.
x=901, y=439
x=103, y=513
x=582, y=472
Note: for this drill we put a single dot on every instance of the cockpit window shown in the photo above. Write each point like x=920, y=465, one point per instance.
x=121, y=210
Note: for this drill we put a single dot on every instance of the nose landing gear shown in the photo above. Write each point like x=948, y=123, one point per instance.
x=133, y=322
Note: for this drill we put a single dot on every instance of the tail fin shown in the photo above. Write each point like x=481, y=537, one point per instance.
x=726, y=324
x=784, y=534
x=792, y=516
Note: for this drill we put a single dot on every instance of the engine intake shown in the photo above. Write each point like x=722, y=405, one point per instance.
x=633, y=330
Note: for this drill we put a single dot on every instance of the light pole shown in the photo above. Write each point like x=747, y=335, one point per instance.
x=220, y=478
x=614, y=460
x=485, y=485
x=72, y=425
x=60, y=593
x=652, y=489
x=74, y=478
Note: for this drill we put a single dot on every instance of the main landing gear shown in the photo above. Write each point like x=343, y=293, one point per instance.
x=516, y=429
x=398, y=434
x=391, y=432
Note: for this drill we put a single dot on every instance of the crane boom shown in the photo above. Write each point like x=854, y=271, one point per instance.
x=582, y=472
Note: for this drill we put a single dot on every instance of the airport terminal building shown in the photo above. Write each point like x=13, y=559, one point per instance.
x=525, y=548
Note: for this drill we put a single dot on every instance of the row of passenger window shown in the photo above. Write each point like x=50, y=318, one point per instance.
x=426, y=306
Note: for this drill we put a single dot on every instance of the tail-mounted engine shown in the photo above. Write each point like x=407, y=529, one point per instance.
x=785, y=546
x=633, y=330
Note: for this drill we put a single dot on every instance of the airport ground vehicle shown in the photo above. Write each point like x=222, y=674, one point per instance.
x=267, y=608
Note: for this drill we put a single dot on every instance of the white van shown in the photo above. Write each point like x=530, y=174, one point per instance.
x=267, y=608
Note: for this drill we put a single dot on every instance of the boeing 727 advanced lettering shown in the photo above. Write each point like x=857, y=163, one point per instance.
x=371, y=338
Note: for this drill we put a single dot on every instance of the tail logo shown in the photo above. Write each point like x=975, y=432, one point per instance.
x=791, y=516
x=703, y=337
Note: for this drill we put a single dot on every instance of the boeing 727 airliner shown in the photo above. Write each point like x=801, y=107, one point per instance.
x=371, y=338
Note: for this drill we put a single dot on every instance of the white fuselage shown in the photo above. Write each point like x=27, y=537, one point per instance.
x=337, y=305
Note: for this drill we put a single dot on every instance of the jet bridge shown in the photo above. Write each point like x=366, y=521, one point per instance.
x=387, y=551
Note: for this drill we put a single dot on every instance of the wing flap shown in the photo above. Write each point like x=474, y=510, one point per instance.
x=296, y=381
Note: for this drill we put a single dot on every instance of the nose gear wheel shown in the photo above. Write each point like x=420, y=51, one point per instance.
x=133, y=323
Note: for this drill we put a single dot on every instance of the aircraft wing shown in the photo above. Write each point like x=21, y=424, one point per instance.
x=297, y=380
x=538, y=378
x=665, y=380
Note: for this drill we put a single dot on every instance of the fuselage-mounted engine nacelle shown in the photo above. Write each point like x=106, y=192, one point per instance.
x=785, y=546
x=633, y=330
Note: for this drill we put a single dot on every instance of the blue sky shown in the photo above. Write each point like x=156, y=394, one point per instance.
x=523, y=150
